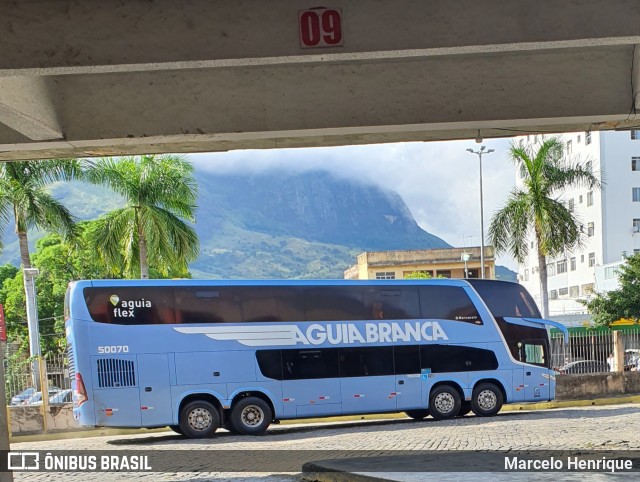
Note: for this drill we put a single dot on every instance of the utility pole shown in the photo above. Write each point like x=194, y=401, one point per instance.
x=29, y=275
x=479, y=153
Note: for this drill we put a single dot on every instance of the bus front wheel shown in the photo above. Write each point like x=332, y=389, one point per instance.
x=487, y=400
x=444, y=402
x=417, y=414
x=251, y=416
x=199, y=419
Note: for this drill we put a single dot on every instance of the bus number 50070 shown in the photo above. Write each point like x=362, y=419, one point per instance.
x=113, y=349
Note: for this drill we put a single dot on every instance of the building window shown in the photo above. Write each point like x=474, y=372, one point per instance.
x=563, y=291
x=574, y=291
x=590, y=229
x=531, y=244
x=587, y=137
x=590, y=198
x=587, y=289
x=635, y=195
x=551, y=269
x=526, y=275
x=573, y=264
x=562, y=266
x=636, y=225
x=568, y=147
x=635, y=135
x=385, y=275
x=571, y=205
x=582, y=258
x=579, y=139
x=636, y=251
x=553, y=294
x=580, y=199
x=635, y=163
x=443, y=273
x=592, y=260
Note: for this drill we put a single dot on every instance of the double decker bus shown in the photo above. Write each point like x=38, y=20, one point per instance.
x=199, y=355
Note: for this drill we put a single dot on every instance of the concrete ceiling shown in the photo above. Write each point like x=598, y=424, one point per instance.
x=87, y=78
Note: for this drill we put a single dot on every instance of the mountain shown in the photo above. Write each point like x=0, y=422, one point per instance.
x=275, y=224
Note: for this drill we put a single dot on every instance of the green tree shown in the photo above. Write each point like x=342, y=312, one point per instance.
x=421, y=275
x=160, y=194
x=536, y=209
x=624, y=302
x=25, y=200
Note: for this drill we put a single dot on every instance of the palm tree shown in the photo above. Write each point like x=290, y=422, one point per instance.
x=24, y=199
x=160, y=193
x=535, y=207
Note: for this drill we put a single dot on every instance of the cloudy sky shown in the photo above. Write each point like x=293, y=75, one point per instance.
x=439, y=181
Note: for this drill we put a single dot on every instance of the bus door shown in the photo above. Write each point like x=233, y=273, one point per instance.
x=368, y=382
x=537, y=375
x=155, y=390
x=409, y=382
x=311, y=383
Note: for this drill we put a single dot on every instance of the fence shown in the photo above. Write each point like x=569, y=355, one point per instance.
x=590, y=351
x=20, y=378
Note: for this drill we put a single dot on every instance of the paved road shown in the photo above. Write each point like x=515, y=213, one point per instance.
x=611, y=428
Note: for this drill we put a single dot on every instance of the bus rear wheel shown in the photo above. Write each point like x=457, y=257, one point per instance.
x=176, y=429
x=417, y=414
x=251, y=416
x=486, y=400
x=199, y=419
x=444, y=402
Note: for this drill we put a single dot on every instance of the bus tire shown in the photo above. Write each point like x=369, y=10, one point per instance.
x=251, y=416
x=417, y=414
x=199, y=419
x=465, y=408
x=176, y=429
x=486, y=400
x=444, y=402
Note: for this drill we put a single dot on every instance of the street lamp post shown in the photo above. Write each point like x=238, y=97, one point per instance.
x=483, y=150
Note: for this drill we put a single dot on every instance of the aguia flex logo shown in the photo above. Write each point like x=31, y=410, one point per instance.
x=127, y=308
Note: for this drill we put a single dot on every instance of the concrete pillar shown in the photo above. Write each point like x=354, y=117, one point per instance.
x=618, y=352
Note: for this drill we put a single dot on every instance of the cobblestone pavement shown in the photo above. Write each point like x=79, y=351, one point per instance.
x=611, y=428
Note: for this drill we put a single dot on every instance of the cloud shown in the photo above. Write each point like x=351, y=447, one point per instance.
x=439, y=181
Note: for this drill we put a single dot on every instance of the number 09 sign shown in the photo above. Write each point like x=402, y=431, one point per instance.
x=320, y=27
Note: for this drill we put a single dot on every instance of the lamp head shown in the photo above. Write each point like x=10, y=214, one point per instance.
x=470, y=150
x=490, y=150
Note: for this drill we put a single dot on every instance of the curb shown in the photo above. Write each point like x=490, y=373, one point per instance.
x=315, y=471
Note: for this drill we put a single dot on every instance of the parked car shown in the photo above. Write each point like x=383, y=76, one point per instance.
x=36, y=398
x=23, y=396
x=584, y=366
x=632, y=359
x=63, y=396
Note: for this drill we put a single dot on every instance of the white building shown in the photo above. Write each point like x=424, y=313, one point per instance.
x=610, y=220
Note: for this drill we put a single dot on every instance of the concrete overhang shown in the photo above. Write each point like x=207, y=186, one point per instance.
x=86, y=78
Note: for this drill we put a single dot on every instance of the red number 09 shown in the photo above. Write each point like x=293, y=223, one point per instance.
x=320, y=28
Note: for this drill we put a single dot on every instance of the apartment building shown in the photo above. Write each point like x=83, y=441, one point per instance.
x=609, y=219
x=446, y=263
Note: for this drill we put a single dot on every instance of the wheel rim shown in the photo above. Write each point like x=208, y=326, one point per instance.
x=200, y=419
x=487, y=400
x=252, y=416
x=444, y=402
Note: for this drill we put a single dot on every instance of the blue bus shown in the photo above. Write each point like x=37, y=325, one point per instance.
x=199, y=355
